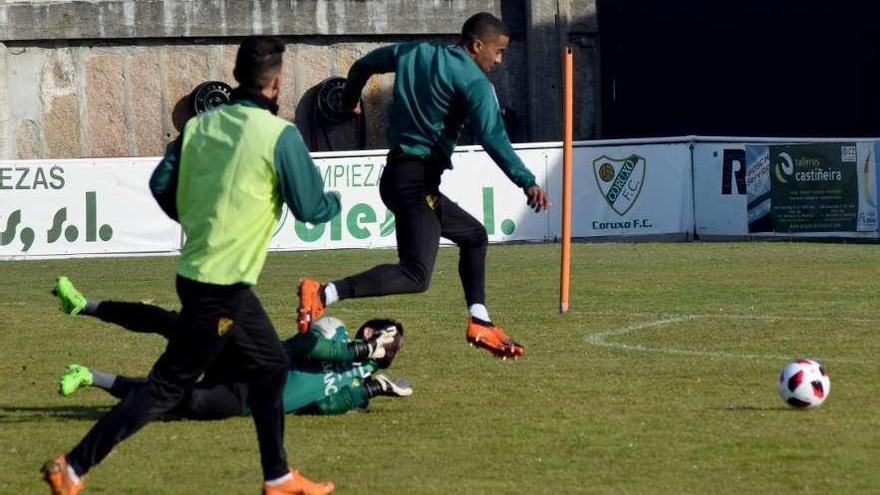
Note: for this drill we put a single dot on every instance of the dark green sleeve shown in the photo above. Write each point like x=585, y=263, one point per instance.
x=301, y=185
x=163, y=182
x=484, y=119
x=311, y=346
x=378, y=61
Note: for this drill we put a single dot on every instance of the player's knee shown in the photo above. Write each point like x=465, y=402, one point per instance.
x=481, y=238
x=419, y=277
x=476, y=238
x=164, y=394
x=277, y=370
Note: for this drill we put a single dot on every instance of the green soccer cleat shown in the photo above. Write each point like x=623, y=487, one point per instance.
x=70, y=300
x=75, y=378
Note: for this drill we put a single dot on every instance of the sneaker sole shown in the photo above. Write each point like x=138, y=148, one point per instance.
x=512, y=350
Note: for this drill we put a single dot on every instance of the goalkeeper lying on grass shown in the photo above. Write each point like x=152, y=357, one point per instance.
x=327, y=372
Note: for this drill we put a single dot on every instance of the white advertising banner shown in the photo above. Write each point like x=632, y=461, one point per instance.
x=627, y=190
x=720, y=198
x=59, y=208
x=475, y=183
x=364, y=221
x=81, y=207
x=722, y=185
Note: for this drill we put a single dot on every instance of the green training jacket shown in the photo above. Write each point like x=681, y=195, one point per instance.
x=436, y=89
x=322, y=377
x=224, y=180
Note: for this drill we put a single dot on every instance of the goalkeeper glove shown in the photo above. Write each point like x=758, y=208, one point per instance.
x=375, y=347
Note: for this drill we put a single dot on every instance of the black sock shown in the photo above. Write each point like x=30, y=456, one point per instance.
x=482, y=323
x=373, y=387
x=344, y=289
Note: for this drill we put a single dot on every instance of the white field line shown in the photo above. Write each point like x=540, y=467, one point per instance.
x=600, y=338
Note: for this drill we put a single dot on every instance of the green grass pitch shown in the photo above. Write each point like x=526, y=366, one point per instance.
x=661, y=379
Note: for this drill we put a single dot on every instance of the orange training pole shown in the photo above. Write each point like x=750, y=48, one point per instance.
x=567, y=138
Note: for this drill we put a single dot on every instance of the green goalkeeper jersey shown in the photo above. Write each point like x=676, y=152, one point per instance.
x=323, y=377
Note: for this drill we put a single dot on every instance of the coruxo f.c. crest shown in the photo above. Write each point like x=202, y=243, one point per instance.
x=620, y=180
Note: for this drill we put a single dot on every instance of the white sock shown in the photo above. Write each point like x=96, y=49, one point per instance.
x=278, y=481
x=72, y=474
x=330, y=294
x=479, y=311
x=102, y=380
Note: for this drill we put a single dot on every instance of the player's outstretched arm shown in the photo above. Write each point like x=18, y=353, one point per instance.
x=313, y=346
x=537, y=199
x=378, y=61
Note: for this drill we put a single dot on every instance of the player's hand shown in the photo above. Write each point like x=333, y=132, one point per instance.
x=382, y=343
x=537, y=199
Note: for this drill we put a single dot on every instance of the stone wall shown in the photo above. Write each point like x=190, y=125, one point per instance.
x=104, y=78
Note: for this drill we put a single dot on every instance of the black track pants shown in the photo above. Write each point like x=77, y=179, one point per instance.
x=410, y=189
x=212, y=318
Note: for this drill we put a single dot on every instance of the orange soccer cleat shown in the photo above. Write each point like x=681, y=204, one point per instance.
x=493, y=339
x=56, y=475
x=299, y=485
x=310, y=305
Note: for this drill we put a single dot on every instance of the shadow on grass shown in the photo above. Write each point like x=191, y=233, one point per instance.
x=751, y=408
x=36, y=414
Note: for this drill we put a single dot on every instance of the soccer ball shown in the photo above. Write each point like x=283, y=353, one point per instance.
x=803, y=384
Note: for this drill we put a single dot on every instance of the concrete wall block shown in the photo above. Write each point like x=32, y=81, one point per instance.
x=61, y=111
x=376, y=94
x=511, y=84
x=586, y=87
x=106, y=112
x=312, y=64
x=227, y=56
x=290, y=94
x=5, y=152
x=72, y=99
x=146, y=103
x=24, y=72
x=583, y=17
x=62, y=128
x=115, y=19
x=28, y=140
x=185, y=68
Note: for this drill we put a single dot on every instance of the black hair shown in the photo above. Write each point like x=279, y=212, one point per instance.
x=482, y=26
x=258, y=60
x=379, y=324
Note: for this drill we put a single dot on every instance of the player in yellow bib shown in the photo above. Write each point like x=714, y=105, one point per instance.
x=224, y=179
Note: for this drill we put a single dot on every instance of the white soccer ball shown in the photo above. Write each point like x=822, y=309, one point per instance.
x=803, y=384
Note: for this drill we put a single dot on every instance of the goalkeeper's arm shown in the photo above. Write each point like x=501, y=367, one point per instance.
x=314, y=346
